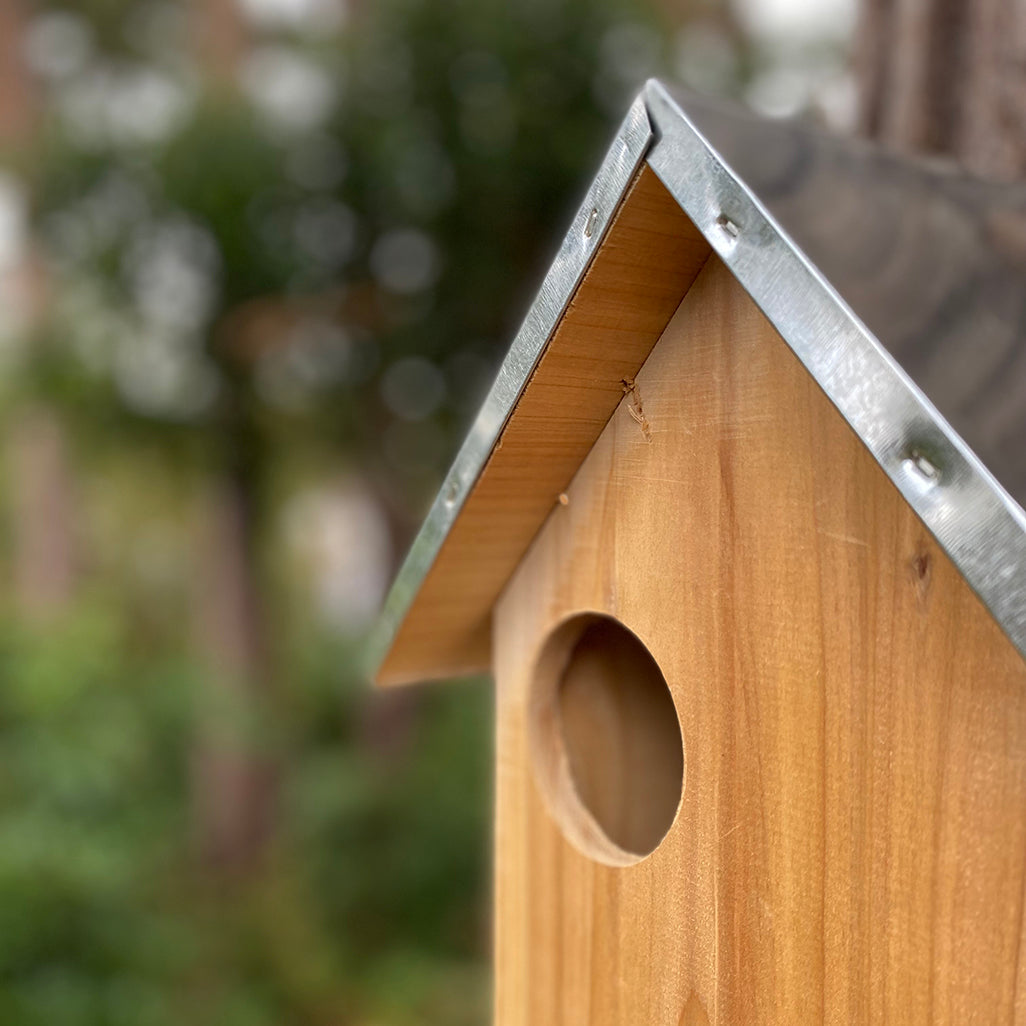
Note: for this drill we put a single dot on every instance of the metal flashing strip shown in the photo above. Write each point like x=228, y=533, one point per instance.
x=972, y=517
x=582, y=241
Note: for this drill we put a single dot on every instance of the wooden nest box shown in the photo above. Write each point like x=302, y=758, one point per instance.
x=755, y=612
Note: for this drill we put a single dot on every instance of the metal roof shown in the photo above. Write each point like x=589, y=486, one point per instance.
x=933, y=262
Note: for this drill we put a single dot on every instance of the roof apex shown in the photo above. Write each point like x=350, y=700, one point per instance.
x=978, y=524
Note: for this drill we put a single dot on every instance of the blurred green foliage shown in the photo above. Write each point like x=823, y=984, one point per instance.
x=398, y=231
x=270, y=274
x=365, y=907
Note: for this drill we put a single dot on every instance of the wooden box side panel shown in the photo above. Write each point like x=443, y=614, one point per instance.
x=851, y=843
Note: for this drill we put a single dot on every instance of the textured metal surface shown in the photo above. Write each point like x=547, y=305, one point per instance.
x=978, y=524
x=580, y=244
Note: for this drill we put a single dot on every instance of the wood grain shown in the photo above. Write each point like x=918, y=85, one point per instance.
x=851, y=843
x=643, y=268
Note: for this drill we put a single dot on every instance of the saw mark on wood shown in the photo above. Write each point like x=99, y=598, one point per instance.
x=634, y=407
x=850, y=539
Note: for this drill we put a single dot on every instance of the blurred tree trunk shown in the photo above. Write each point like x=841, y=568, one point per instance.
x=42, y=535
x=233, y=789
x=17, y=96
x=42, y=531
x=234, y=775
x=946, y=77
x=220, y=37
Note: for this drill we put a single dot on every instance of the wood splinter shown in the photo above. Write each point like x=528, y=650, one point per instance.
x=634, y=407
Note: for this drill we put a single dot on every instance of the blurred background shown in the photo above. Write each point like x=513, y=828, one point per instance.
x=259, y=260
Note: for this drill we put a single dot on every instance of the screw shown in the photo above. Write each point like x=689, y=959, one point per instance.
x=922, y=466
x=728, y=226
x=452, y=491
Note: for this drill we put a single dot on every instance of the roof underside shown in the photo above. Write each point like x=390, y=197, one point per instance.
x=900, y=242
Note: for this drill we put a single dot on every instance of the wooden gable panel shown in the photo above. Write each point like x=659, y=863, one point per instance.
x=851, y=842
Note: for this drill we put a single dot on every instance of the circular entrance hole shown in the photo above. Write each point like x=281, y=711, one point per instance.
x=605, y=739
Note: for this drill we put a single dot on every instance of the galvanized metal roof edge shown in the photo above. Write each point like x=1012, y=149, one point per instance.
x=580, y=244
